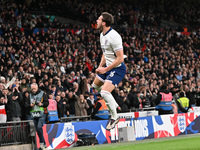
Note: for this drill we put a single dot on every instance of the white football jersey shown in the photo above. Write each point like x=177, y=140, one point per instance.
x=111, y=42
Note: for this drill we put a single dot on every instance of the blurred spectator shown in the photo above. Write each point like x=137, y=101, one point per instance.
x=197, y=96
x=134, y=98
x=14, y=102
x=24, y=85
x=91, y=103
x=67, y=105
x=84, y=85
x=145, y=97
x=115, y=92
x=59, y=86
x=73, y=98
x=9, y=83
x=54, y=91
x=76, y=88
x=123, y=102
x=3, y=103
x=127, y=86
x=190, y=92
x=20, y=73
x=25, y=109
x=179, y=75
x=81, y=106
x=61, y=106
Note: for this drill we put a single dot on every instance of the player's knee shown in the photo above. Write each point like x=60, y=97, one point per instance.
x=104, y=94
x=96, y=87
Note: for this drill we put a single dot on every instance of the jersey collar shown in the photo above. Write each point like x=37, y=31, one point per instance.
x=107, y=31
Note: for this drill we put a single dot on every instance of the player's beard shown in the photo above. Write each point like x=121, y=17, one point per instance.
x=100, y=27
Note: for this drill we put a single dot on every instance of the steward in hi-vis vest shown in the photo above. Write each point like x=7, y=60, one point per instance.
x=100, y=110
x=183, y=104
x=163, y=101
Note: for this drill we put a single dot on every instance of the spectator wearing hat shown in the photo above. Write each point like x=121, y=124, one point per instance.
x=7, y=84
x=24, y=85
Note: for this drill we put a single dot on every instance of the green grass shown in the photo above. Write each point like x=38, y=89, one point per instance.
x=188, y=142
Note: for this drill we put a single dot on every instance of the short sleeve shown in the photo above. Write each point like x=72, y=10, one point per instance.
x=116, y=42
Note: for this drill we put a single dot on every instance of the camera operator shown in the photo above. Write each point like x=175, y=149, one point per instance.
x=38, y=105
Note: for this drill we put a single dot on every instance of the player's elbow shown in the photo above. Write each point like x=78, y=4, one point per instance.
x=121, y=59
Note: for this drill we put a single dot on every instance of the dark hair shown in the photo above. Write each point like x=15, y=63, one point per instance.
x=107, y=18
x=181, y=94
x=163, y=87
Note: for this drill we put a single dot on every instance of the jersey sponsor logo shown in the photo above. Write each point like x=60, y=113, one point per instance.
x=69, y=133
x=181, y=123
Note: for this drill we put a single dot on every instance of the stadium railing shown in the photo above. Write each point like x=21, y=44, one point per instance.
x=75, y=118
x=88, y=118
x=17, y=132
x=142, y=109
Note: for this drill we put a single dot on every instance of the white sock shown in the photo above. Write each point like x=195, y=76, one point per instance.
x=111, y=103
x=97, y=87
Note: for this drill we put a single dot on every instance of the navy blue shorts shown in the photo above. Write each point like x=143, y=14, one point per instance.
x=114, y=76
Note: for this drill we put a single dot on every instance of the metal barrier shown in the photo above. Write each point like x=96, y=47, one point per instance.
x=17, y=132
x=75, y=118
x=142, y=109
x=88, y=118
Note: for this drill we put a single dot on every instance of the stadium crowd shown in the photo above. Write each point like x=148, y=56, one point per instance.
x=62, y=59
x=133, y=12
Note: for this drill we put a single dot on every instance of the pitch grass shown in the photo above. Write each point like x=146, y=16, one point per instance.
x=184, y=142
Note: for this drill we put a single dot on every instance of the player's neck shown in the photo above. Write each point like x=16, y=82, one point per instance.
x=105, y=30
